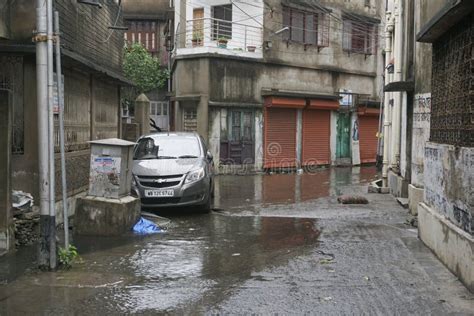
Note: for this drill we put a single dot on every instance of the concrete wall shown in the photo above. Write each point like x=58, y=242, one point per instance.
x=145, y=8
x=6, y=221
x=449, y=183
x=91, y=112
x=453, y=246
x=332, y=57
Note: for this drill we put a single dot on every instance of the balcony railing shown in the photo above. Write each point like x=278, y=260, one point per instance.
x=219, y=36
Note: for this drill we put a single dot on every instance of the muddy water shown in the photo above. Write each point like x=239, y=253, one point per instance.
x=201, y=258
x=256, y=191
x=196, y=264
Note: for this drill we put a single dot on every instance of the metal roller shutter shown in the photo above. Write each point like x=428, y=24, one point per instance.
x=368, y=128
x=280, y=138
x=316, y=137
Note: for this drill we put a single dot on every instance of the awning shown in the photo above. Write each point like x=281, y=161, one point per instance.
x=321, y=104
x=397, y=86
x=442, y=21
x=280, y=102
x=363, y=111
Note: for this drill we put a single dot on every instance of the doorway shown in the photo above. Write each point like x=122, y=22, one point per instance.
x=343, y=143
x=198, y=27
x=159, y=112
x=237, y=147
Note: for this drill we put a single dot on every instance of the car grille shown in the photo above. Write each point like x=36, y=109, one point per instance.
x=161, y=200
x=160, y=181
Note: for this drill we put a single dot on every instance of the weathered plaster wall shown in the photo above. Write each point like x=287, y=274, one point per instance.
x=328, y=57
x=449, y=181
x=83, y=96
x=6, y=221
x=145, y=8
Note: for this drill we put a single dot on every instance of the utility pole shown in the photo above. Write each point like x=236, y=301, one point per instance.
x=45, y=85
x=43, y=139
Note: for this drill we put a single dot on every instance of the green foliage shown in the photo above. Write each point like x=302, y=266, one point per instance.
x=67, y=256
x=143, y=69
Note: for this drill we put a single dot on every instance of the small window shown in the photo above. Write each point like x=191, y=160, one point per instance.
x=359, y=37
x=309, y=28
x=222, y=21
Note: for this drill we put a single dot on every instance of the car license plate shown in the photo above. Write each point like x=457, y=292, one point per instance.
x=159, y=193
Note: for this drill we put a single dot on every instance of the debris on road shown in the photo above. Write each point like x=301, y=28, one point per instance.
x=326, y=261
x=144, y=227
x=352, y=199
x=22, y=202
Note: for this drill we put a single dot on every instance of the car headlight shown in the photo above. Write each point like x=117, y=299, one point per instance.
x=195, y=175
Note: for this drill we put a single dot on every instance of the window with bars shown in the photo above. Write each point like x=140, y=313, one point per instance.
x=359, y=37
x=222, y=21
x=145, y=32
x=309, y=28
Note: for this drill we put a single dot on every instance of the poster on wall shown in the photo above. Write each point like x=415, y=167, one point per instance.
x=105, y=176
x=355, y=139
x=56, y=102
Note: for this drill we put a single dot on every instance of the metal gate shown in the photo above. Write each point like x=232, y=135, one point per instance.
x=316, y=137
x=368, y=128
x=280, y=138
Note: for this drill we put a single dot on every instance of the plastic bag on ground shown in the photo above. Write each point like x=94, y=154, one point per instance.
x=144, y=226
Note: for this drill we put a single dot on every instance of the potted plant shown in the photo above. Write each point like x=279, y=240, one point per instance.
x=251, y=48
x=222, y=42
x=197, y=39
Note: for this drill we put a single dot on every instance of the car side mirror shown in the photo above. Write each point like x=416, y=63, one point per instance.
x=209, y=156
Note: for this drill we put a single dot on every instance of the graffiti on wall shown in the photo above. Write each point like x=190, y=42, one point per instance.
x=448, y=183
x=421, y=134
x=421, y=110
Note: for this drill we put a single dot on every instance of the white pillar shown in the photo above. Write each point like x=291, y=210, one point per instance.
x=387, y=111
x=396, y=117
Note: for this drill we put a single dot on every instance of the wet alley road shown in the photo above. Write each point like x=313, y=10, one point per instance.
x=275, y=244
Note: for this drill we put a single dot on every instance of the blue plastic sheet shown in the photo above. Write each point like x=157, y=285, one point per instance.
x=144, y=226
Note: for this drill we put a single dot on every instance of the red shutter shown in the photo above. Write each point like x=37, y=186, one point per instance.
x=316, y=136
x=280, y=138
x=368, y=128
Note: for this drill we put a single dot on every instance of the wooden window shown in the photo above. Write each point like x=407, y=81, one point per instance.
x=145, y=32
x=308, y=28
x=359, y=37
x=222, y=21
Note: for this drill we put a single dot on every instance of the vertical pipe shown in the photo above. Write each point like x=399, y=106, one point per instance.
x=42, y=104
x=61, y=129
x=52, y=212
x=396, y=116
x=386, y=111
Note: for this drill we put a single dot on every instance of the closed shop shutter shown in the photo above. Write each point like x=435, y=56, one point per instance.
x=280, y=138
x=316, y=137
x=368, y=128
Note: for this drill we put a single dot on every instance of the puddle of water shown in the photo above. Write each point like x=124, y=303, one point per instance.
x=197, y=258
x=255, y=191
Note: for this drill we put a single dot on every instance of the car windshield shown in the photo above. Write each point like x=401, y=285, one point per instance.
x=167, y=148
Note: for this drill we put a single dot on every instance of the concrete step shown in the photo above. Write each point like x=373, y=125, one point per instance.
x=403, y=202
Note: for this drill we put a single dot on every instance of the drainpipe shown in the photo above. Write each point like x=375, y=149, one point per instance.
x=387, y=110
x=396, y=115
x=42, y=105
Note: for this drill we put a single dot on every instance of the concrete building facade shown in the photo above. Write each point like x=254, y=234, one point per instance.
x=279, y=84
x=92, y=59
x=428, y=130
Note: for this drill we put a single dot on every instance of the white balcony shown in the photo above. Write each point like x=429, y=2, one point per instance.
x=209, y=35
